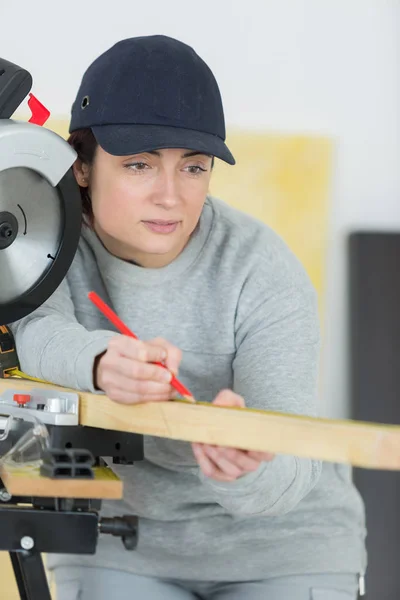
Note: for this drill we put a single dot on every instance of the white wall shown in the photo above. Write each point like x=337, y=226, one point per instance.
x=324, y=66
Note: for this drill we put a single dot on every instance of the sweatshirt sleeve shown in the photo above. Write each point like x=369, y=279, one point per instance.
x=53, y=346
x=275, y=368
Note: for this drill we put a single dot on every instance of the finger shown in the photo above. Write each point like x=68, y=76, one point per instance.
x=204, y=462
x=262, y=456
x=109, y=379
x=224, y=464
x=207, y=466
x=136, y=349
x=123, y=397
x=219, y=476
x=229, y=398
x=241, y=459
x=173, y=354
x=136, y=369
x=240, y=456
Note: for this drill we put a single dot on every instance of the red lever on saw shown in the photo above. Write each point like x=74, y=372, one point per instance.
x=40, y=113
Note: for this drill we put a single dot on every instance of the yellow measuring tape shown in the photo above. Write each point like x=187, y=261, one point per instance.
x=22, y=375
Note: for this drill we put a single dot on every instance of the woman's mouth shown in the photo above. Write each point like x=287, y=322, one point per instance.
x=160, y=226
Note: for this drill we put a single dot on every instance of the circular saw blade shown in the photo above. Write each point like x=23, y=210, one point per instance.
x=37, y=208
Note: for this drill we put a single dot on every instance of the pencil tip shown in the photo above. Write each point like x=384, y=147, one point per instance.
x=190, y=399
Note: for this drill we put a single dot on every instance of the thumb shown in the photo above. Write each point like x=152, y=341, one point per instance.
x=229, y=398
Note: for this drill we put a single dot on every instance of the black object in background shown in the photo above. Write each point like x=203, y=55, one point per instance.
x=374, y=325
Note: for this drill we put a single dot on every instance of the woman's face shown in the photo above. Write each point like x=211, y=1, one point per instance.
x=146, y=206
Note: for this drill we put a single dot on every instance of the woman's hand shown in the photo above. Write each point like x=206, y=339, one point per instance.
x=125, y=373
x=227, y=464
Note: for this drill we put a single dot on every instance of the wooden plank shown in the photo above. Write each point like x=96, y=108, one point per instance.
x=359, y=444
x=366, y=445
x=28, y=482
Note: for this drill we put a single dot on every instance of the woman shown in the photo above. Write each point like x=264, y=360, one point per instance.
x=238, y=321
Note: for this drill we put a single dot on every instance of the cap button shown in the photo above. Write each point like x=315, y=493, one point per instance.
x=85, y=102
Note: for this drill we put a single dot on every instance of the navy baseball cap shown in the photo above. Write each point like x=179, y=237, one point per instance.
x=148, y=93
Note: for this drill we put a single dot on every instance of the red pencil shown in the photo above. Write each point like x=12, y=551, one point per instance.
x=120, y=325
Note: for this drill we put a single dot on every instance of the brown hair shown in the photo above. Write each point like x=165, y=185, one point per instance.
x=85, y=145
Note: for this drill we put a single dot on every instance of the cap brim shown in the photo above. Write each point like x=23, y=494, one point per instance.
x=123, y=140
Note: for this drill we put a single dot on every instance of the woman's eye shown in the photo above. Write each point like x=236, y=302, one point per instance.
x=195, y=170
x=138, y=166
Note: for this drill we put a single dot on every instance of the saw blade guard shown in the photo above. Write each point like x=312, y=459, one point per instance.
x=40, y=205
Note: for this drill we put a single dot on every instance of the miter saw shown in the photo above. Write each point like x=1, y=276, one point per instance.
x=40, y=224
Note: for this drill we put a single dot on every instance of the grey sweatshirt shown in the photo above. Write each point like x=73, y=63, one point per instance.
x=241, y=308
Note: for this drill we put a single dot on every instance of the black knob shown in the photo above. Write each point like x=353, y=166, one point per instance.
x=5, y=230
x=8, y=229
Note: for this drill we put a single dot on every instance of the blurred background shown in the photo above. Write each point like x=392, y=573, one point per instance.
x=311, y=90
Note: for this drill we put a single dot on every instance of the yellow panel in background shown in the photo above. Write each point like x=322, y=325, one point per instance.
x=282, y=179
x=9, y=588
x=285, y=181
